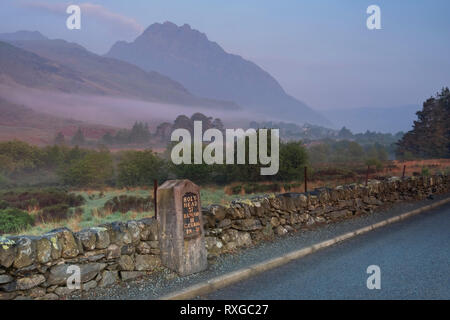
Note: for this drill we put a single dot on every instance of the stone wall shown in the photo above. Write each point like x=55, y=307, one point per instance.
x=37, y=267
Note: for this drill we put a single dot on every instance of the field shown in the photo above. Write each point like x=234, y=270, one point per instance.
x=93, y=211
x=83, y=208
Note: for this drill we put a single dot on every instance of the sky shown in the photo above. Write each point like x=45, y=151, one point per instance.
x=320, y=51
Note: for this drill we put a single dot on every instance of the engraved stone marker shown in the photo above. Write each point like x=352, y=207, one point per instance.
x=180, y=222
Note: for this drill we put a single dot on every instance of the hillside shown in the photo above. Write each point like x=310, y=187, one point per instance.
x=68, y=67
x=23, y=123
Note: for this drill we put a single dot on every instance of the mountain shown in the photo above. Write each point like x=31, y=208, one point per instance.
x=393, y=119
x=205, y=69
x=35, y=61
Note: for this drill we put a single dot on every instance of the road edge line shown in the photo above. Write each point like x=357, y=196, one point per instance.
x=248, y=272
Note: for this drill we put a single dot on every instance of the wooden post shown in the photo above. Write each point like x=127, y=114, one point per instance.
x=367, y=175
x=306, y=179
x=404, y=169
x=155, y=199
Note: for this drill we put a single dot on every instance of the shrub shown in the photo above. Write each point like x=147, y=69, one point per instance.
x=25, y=199
x=54, y=213
x=14, y=220
x=426, y=171
x=126, y=203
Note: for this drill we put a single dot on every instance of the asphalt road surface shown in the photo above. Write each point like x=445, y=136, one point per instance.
x=413, y=256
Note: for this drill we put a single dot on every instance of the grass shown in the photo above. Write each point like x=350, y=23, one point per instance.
x=92, y=214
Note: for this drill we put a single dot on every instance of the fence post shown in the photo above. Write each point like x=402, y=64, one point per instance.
x=367, y=175
x=306, y=179
x=155, y=200
x=404, y=169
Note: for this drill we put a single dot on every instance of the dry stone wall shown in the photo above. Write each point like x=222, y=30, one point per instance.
x=38, y=267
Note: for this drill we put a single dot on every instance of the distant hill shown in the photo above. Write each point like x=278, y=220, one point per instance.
x=205, y=69
x=68, y=67
x=391, y=120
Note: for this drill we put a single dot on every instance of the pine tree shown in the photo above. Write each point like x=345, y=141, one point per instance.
x=78, y=138
x=430, y=136
x=59, y=139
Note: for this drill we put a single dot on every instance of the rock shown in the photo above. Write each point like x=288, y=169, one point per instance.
x=267, y=231
x=274, y=222
x=102, y=239
x=4, y=278
x=37, y=292
x=135, y=232
x=129, y=275
x=213, y=245
x=96, y=257
x=89, y=285
x=43, y=250
x=8, y=251
x=247, y=224
x=338, y=214
x=113, y=252
x=281, y=231
x=7, y=295
x=224, y=224
x=69, y=244
x=143, y=248
x=89, y=271
x=148, y=229
x=29, y=282
x=118, y=233
x=147, y=262
x=230, y=246
x=26, y=252
x=243, y=239
x=126, y=263
x=229, y=235
x=319, y=219
x=127, y=249
x=88, y=239
x=49, y=296
x=59, y=273
x=63, y=291
x=108, y=278
x=289, y=228
x=56, y=244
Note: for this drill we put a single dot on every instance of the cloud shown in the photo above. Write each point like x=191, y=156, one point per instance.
x=96, y=11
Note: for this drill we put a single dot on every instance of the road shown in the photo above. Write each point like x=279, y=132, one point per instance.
x=413, y=256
